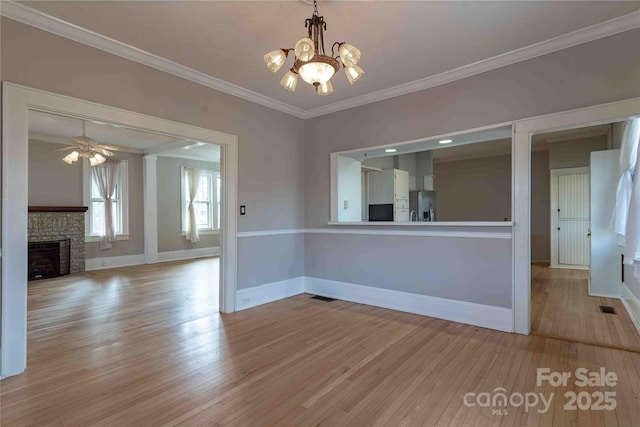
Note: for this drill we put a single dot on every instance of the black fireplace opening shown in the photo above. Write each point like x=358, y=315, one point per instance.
x=49, y=259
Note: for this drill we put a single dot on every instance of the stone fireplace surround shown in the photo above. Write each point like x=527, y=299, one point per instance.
x=57, y=223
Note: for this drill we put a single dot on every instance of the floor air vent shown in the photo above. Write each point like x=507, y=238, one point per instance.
x=325, y=299
x=607, y=309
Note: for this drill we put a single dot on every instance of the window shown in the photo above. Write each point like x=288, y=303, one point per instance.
x=206, y=203
x=95, y=202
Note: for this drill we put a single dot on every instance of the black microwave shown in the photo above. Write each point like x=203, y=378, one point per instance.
x=382, y=212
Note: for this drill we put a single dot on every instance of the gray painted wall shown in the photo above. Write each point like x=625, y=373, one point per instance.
x=555, y=82
x=51, y=181
x=266, y=260
x=440, y=267
x=473, y=189
x=271, y=144
x=574, y=154
x=170, y=236
x=540, y=206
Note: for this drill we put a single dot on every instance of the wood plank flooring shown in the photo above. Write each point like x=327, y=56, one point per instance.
x=145, y=346
x=562, y=308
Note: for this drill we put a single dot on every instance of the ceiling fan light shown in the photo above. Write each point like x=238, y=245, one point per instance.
x=289, y=81
x=325, y=88
x=304, y=49
x=67, y=159
x=353, y=73
x=73, y=155
x=275, y=59
x=349, y=54
x=99, y=159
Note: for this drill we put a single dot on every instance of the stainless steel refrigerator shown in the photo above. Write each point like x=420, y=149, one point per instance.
x=422, y=205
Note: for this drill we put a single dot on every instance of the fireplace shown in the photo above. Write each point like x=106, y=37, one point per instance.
x=49, y=259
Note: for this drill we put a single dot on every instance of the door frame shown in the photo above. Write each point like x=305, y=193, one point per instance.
x=17, y=101
x=554, y=174
x=521, y=189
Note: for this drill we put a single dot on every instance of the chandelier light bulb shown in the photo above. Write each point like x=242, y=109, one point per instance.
x=275, y=59
x=304, y=49
x=353, y=73
x=325, y=88
x=349, y=54
x=316, y=72
x=289, y=81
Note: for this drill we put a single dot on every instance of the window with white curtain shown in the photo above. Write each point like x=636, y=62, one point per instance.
x=95, y=203
x=206, y=202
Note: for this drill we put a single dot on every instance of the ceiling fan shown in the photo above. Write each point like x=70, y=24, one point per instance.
x=88, y=148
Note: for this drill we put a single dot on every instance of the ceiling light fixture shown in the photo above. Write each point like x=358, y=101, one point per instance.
x=390, y=150
x=445, y=141
x=311, y=63
x=87, y=148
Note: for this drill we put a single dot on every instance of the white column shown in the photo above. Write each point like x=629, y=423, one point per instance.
x=150, y=192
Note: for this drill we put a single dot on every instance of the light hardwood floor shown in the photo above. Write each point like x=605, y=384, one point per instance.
x=145, y=346
x=562, y=308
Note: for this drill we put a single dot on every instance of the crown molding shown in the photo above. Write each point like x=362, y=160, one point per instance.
x=35, y=18
x=26, y=15
x=611, y=27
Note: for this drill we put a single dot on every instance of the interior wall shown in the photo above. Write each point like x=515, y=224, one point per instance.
x=169, y=199
x=271, y=150
x=575, y=153
x=540, y=207
x=55, y=183
x=51, y=181
x=349, y=189
x=558, y=81
x=473, y=189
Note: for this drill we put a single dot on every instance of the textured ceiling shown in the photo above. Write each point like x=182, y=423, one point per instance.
x=400, y=41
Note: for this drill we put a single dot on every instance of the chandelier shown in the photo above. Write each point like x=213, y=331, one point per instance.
x=312, y=63
x=85, y=147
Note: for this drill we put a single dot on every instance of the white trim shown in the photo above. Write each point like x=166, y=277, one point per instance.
x=428, y=223
x=632, y=305
x=94, y=239
x=414, y=233
x=30, y=16
x=570, y=267
x=35, y=18
x=498, y=318
x=17, y=101
x=523, y=130
x=410, y=233
x=150, y=207
x=258, y=295
x=270, y=232
x=92, y=264
x=574, y=38
x=188, y=254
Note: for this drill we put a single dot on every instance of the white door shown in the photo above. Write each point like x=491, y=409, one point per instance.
x=605, y=277
x=570, y=218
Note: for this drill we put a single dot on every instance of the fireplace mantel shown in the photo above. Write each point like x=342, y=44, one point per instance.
x=58, y=208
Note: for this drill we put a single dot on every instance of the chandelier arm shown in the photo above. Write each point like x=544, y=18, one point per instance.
x=333, y=54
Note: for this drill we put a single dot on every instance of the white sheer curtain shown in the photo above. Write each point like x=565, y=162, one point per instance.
x=626, y=215
x=193, y=182
x=106, y=176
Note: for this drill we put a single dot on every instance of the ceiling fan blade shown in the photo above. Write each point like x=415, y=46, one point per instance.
x=103, y=151
x=70, y=148
x=119, y=148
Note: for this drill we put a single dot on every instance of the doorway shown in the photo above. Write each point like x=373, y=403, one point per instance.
x=575, y=292
x=570, y=218
x=18, y=101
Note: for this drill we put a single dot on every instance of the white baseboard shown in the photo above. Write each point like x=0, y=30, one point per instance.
x=632, y=304
x=188, y=254
x=113, y=262
x=251, y=297
x=491, y=317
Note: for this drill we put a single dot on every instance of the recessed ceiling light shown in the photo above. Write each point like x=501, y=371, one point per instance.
x=445, y=141
x=390, y=150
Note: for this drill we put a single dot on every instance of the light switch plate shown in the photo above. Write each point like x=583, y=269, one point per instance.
x=243, y=210
x=346, y=204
